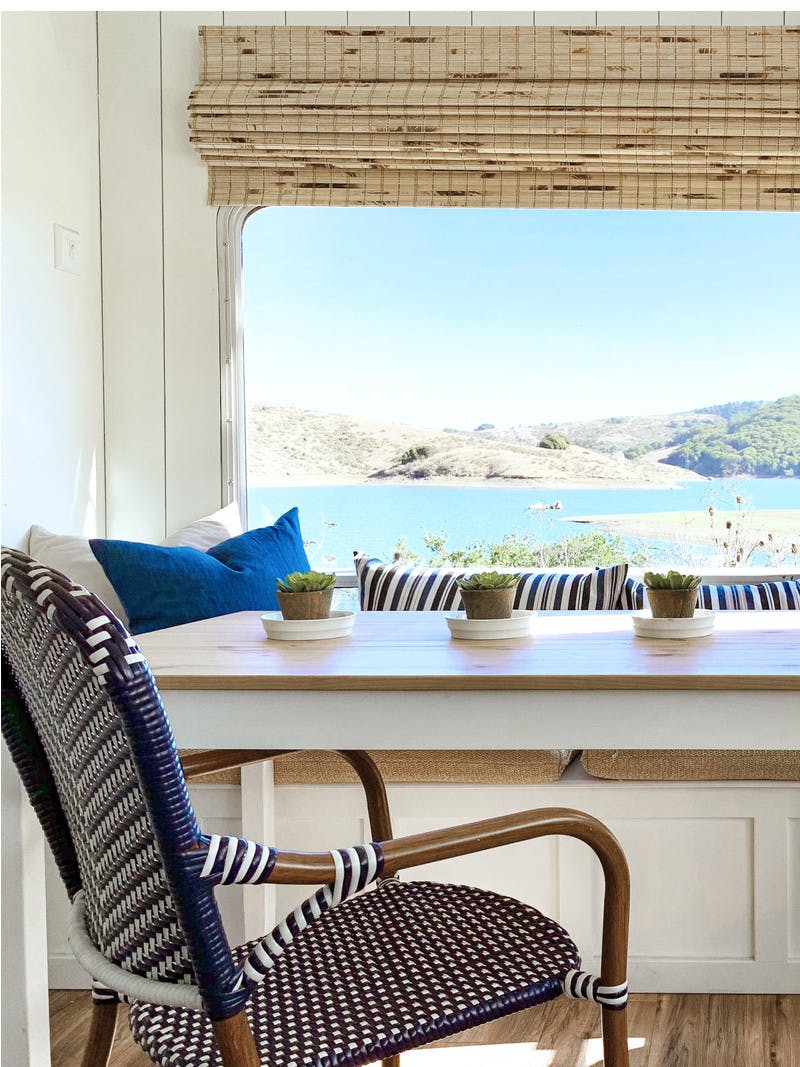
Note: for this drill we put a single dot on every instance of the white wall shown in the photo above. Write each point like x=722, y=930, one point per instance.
x=161, y=324
x=159, y=245
x=51, y=323
x=53, y=463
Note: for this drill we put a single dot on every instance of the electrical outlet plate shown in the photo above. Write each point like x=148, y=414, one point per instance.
x=67, y=249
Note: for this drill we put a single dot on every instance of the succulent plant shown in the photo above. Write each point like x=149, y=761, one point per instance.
x=671, y=580
x=488, y=580
x=306, y=582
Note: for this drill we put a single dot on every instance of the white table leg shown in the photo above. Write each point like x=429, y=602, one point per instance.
x=258, y=824
x=25, y=1012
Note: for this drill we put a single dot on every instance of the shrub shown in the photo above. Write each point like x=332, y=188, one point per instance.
x=414, y=454
x=638, y=450
x=554, y=440
x=595, y=549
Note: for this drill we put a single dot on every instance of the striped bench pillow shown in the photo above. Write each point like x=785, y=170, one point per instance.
x=763, y=596
x=397, y=587
x=632, y=597
x=756, y=596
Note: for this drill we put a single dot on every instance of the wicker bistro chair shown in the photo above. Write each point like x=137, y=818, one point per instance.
x=349, y=977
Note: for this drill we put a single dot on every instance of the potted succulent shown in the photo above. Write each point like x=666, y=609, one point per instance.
x=488, y=595
x=672, y=595
x=306, y=595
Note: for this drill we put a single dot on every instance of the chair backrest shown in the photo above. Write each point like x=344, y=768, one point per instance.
x=87, y=730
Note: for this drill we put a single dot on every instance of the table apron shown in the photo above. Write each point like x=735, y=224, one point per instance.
x=485, y=720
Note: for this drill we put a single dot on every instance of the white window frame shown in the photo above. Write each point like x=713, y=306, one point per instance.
x=233, y=437
x=233, y=440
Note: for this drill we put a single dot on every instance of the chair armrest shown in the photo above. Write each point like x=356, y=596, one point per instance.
x=310, y=868
x=210, y=760
x=220, y=759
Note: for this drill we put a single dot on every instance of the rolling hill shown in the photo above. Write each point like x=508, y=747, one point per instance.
x=294, y=446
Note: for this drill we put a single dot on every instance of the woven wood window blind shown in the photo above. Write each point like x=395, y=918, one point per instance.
x=697, y=117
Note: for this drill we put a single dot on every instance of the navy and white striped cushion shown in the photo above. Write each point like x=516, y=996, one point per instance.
x=756, y=596
x=763, y=596
x=396, y=587
x=632, y=597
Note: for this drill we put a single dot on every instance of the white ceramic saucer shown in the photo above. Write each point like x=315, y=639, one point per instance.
x=700, y=625
x=338, y=624
x=462, y=628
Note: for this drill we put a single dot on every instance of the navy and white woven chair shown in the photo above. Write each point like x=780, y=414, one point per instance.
x=388, y=970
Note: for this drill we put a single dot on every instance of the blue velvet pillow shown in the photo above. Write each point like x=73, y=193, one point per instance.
x=162, y=587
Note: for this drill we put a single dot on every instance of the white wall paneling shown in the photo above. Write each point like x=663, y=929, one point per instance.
x=25, y=941
x=52, y=420
x=133, y=277
x=502, y=18
x=248, y=18
x=316, y=18
x=377, y=18
x=191, y=320
x=752, y=18
x=258, y=824
x=627, y=18
x=793, y=849
x=690, y=18
x=441, y=18
x=565, y=18
x=691, y=887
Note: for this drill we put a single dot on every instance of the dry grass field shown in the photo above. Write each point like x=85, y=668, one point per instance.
x=294, y=447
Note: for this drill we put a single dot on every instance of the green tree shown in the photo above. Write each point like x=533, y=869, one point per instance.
x=761, y=441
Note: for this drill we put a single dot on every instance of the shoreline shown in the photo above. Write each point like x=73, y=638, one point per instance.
x=526, y=484
x=695, y=527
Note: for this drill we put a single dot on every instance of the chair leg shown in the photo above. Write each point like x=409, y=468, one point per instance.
x=615, y=1038
x=380, y=822
x=101, y=1035
x=391, y=1061
x=235, y=1040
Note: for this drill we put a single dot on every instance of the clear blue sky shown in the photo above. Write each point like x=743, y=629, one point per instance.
x=453, y=317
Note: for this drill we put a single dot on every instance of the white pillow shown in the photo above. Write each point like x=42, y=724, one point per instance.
x=73, y=556
x=209, y=531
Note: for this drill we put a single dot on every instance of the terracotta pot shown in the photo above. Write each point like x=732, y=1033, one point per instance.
x=314, y=605
x=672, y=603
x=488, y=603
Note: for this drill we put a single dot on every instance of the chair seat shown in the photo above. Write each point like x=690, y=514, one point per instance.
x=385, y=971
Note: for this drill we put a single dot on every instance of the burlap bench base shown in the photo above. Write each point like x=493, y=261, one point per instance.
x=693, y=765
x=509, y=767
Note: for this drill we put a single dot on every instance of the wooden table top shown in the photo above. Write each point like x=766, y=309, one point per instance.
x=413, y=651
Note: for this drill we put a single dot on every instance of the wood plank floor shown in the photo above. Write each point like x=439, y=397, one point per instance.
x=666, y=1030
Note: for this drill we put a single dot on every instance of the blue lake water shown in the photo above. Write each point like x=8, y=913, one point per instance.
x=337, y=519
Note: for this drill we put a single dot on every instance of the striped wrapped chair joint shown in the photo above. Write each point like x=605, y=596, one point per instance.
x=366, y=968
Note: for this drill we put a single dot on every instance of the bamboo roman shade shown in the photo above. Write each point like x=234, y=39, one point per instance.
x=694, y=117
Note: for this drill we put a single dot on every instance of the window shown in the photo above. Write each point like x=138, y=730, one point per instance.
x=574, y=386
